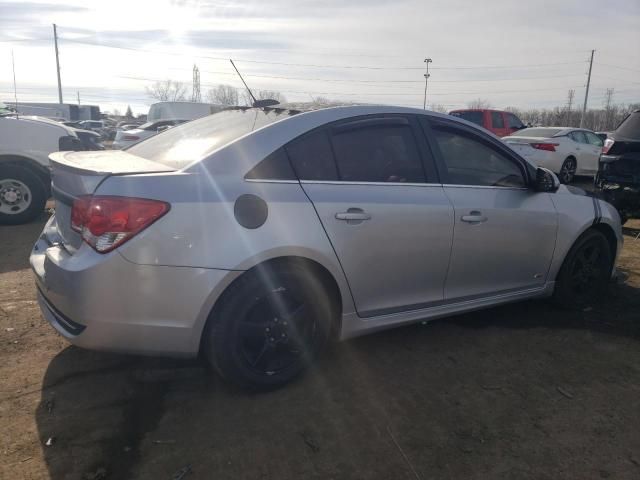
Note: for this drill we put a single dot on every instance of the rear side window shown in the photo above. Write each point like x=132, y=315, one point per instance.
x=474, y=117
x=593, y=139
x=377, y=153
x=496, y=120
x=469, y=161
x=275, y=167
x=312, y=158
x=630, y=127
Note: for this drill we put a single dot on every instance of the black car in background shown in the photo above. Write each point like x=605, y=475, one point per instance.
x=618, y=178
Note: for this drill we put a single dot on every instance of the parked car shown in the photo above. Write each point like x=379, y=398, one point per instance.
x=25, y=144
x=254, y=246
x=128, y=126
x=126, y=138
x=603, y=135
x=90, y=140
x=187, y=110
x=565, y=151
x=618, y=178
x=496, y=121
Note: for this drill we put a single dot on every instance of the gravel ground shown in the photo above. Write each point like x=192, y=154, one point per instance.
x=523, y=391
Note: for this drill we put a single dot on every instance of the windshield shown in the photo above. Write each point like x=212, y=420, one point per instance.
x=537, y=132
x=184, y=144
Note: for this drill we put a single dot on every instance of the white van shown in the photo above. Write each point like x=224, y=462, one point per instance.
x=180, y=110
x=25, y=145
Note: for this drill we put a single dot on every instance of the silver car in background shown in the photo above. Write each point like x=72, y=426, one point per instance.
x=253, y=236
x=565, y=151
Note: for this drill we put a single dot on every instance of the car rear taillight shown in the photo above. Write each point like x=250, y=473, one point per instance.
x=608, y=143
x=130, y=137
x=549, y=147
x=106, y=222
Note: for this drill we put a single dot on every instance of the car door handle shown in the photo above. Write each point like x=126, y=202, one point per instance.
x=353, y=215
x=474, y=217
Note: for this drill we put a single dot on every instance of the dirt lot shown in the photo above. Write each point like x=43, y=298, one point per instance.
x=518, y=392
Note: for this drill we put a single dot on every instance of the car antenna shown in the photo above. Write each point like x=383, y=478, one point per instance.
x=256, y=103
x=15, y=90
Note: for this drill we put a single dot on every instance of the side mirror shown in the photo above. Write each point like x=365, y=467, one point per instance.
x=546, y=180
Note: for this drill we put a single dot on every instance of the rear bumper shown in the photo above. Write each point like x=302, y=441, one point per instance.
x=104, y=302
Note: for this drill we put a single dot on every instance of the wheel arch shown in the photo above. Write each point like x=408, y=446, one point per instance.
x=31, y=165
x=603, y=228
x=315, y=268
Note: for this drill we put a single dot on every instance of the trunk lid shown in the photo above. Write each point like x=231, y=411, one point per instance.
x=522, y=145
x=80, y=173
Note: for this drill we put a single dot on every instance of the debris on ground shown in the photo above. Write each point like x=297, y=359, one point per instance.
x=50, y=441
x=564, y=392
x=183, y=472
x=308, y=439
x=99, y=474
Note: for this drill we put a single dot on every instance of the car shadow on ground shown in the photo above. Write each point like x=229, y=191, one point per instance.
x=17, y=241
x=444, y=388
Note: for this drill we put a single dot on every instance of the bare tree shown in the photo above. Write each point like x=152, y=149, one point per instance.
x=167, y=91
x=479, y=103
x=223, y=95
x=435, y=107
x=129, y=113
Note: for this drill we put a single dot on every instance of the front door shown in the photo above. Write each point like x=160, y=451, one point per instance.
x=390, y=228
x=504, y=233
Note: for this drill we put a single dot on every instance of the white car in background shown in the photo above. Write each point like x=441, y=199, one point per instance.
x=565, y=151
x=126, y=138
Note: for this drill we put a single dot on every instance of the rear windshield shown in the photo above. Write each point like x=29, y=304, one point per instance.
x=475, y=117
x=630, y=127
x=537, y=132
x=182, y=145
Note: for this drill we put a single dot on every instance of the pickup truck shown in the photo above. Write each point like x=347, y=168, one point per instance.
x=496, y=121
x=25, y=145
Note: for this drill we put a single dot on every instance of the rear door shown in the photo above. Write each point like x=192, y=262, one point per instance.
x=583, y=151
x=372, y=182
x=504, y=233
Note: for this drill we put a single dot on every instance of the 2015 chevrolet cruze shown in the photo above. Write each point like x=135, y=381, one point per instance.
x=254, y=235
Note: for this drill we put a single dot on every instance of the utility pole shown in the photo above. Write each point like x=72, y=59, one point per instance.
x=569, y=103
x=607, y=108
x=426, y=81
x=78, y=93
x=195, y=88
x=586, y=93
x=55, y=40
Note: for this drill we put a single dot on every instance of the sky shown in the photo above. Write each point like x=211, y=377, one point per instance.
x=518, y=54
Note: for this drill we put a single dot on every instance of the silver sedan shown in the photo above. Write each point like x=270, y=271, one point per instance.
x=254, y=236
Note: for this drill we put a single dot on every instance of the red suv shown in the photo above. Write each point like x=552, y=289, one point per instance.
x=496, y=121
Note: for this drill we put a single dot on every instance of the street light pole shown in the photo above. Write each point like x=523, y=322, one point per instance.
x=426, y=81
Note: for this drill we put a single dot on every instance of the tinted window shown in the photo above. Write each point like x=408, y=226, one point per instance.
x=496, y=120
x=475, y=117
x=191, y=141
x=593, y=139
x=312, y=158
x=383, y=153
x=514, y=122
x=471, y=162
x=578, y=137
x=275, y=167
x=630, y=127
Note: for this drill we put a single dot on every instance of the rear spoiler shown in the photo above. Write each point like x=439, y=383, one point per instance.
x=106, y=162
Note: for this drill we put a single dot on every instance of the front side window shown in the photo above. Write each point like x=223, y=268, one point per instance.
x=377, y=153
x=496, y=120
x=514, y=122
x=593, y=139
x=469, y=161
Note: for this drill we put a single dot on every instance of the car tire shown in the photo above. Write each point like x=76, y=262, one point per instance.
x=269, y=326
x=585, y=272
x=23, y=196
x=568, y=170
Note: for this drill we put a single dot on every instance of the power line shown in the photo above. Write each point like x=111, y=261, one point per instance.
x=617, y=66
